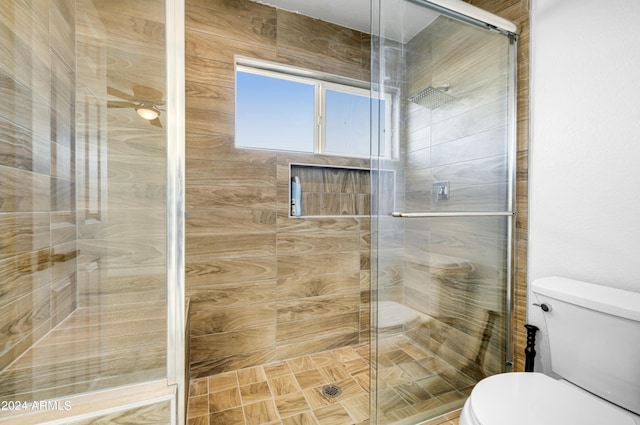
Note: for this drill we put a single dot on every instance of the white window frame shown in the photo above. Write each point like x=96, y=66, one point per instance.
x=322, y=83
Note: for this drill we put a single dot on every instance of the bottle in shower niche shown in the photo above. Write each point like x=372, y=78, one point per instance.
x=296, y=197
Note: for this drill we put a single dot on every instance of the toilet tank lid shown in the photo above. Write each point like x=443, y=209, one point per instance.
x=614, y=301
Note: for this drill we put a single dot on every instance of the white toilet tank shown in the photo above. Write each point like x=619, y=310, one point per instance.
x=594, y=337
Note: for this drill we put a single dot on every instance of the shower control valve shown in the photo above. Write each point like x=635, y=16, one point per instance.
x=544, y=307
x=440, y=191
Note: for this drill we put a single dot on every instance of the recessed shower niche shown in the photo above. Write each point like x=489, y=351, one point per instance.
x=327, y=190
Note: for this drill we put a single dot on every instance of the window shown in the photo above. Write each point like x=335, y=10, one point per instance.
x=346, y=122
x=290, y=109
x=274, y=113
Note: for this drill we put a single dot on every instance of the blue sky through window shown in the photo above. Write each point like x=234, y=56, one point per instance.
x=273, y=113
x=347, y=123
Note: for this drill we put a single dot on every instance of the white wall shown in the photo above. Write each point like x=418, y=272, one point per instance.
x=585, y=145
x=585, y=148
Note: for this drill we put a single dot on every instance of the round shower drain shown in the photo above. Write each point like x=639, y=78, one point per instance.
x=331, y=390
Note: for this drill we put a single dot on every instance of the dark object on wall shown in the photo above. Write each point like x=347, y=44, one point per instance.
x=529, y=351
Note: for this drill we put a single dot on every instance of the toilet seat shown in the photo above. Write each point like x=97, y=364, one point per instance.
x=534, y=399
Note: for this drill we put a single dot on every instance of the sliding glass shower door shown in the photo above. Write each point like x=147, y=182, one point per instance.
x=442, y=256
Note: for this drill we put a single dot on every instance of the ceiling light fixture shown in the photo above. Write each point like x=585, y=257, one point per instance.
x=147, y=113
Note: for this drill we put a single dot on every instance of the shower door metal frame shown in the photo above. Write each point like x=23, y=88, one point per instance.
x=175, y=193
x=469, y=13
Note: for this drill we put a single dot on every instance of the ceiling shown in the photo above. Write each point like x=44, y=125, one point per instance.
x=402, y=19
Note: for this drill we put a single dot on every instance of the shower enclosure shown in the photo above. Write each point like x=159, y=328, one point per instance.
x=441, y=259
x=92, y=315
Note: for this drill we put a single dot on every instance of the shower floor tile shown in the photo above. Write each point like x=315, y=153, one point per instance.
x=289, y=392
x=94, y=348
x=286, y=392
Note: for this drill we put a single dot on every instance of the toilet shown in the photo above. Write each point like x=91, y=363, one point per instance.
x=593, y=337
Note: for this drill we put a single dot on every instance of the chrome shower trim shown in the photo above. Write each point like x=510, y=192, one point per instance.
x=474, y=13
x=512, y=248
x=175, y=192
x=454, y=214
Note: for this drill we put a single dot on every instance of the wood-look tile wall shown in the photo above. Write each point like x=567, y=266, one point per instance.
x=518, y=12
x=263, y=286
x=37, y=171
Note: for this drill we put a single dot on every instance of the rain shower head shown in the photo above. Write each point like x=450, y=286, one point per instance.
x=432, y=97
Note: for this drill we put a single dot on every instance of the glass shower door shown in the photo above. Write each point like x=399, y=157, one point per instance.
x=87, y=259
x=442, y=269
